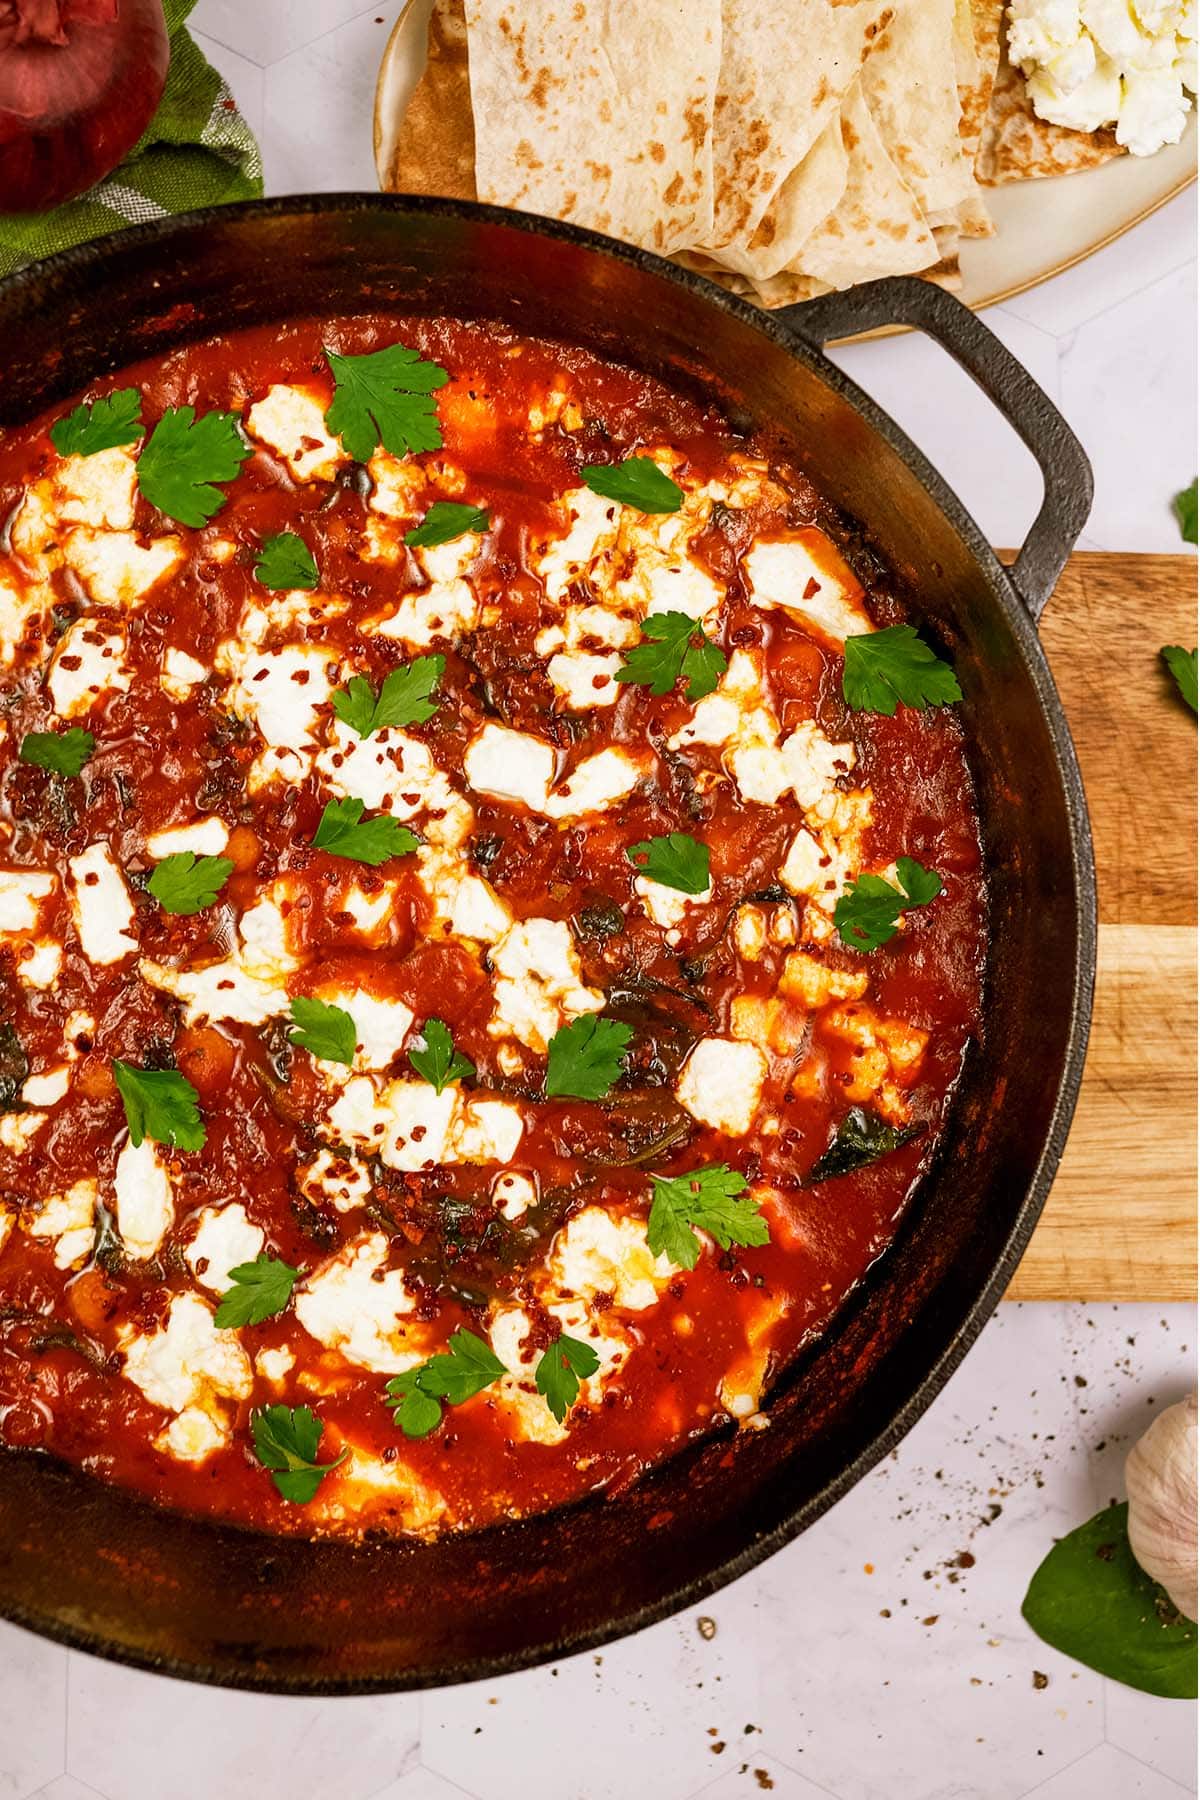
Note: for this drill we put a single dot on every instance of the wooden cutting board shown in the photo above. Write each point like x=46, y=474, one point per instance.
x=1120, y=1222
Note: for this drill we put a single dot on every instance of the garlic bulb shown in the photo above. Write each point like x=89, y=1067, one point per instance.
x=1160, y=1479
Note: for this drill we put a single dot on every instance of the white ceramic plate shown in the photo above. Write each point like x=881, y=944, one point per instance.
x=1042, y=227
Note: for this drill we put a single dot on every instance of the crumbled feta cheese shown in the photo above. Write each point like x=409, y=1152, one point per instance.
x=21, y=894
x=205, y=837
x=539, y=983
x=101, y=906
x=594, y=523
x=224, y=990
x=750, y=932
x=96, y=490
x=380, y=1026
x=225, y=1239
x=886, y=1054
x=145, y=1200
x=368, y=911
x=48, y=1088
x=291, y=421
x=388, y=771
x=180, y=673
x=116, y=568
x=18, y=1130
x=445, y=610
x=192, y=1436
x=87, y=662
x=264, y=930
x=341, y=1181
x=511, y=765
x=70, y=1219
x=667, y=906
x=22, y=610
x=594, y=785
x=1093, y=63
x=804, y=574
x=190, y=1362
x=516, y=1394
x=722, y=1083
x=465, y=903
x=354, y=1305
x=603, y=1252
x=408, y=1123
x=514, y=1194
x=584, y=627
x=486, y=1131
x=585, y=680
x=282, y=691
x=38, y=963
x=815, y=984
x=273, y=1365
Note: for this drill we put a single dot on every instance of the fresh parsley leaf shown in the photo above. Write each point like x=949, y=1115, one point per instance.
x=415, y=1412
x=1182, y=664
x=261, y=1289
x=187, y=883
x=674, y=646
x=1185, y=511
x=285, y=562
x=712, y=1199
x=463, y=1369
x=403, y=699
x=159, y=1104
x=586, y=1057
x=184, y=457
x=635, y=482
x=885, y=668
x=325, y=1031
x=868, y=914
x=861, y=1138
x=384, y=398
x=62, y=752
x=445, y=521
x=439, y=1062
x=560, y=1370
x=676, y=861
x=1092, y=1600
x=114, y=419
x=344, y=832
x=286, y=1440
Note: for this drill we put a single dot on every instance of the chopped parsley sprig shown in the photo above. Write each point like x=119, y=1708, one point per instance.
x=712, y=1199
x=286, y=563
x=867, y=915
x=160, y=1104
x=885, y=669
x=674, y=645
x=62, y=752
x=1182, y=664
x=586, y=1057
x=560, y=1370
x=436, y=1060
x=675, y=861
x=404, y=698
x=385, y=397
x=286, y=1441
x=344, y=832
x=184, y=459
x=637, y=482
x=260, y=1289
x=113, y=419
x=445, y=521
x=186, y=883
x=325, y=1031
x=462, y=1370
x=1185, y=505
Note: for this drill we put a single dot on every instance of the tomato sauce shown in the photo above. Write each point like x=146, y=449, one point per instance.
x=159, y=761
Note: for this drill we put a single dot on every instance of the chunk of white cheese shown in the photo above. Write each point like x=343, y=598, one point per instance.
x=388, y=771
x=205, y=837
x=192, y=1436
x=38, y=962
x=539, y=983
x=283, y=692
x=585, y=680
x=101, y=906
x=223, y=990
x=463, y=902
x=593, y=523
x=514, y=1194
x=722, y=1083
x=48, y=1088
x=189, y=1362
x=22, y=892
x=180, y=673
x=88, y=662
x=291, y=421
x=224, y=1240
x=667, y=906
x=145, y=1198
x=606, y=1252
x=354, y=1305
x=594, y=785
x=804, y=575
x=116, y=568
x=18, y=1130
x=336, y=1180
x=511, y=765
x=70, y=1219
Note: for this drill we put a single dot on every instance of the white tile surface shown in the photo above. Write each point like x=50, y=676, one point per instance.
x=803, y=1680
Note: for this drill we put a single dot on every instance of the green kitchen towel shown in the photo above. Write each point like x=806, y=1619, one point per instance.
x=196, y=151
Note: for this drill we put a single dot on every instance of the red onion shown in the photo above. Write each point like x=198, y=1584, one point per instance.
x=79, y=83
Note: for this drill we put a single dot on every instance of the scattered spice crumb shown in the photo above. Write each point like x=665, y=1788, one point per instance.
x=707, y=1628
x=932, y=1619
x=717, y=1747
x=868, y=1568
x=763, y=1779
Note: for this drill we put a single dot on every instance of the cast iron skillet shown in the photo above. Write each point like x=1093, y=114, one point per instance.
x=94, y=1568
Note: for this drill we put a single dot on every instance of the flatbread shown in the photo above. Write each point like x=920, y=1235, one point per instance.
x=909, y=82
x=562, y=129
x=1018, y=146
x=435, y=146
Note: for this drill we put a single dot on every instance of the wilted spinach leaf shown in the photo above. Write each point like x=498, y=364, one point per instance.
x=861, y=1138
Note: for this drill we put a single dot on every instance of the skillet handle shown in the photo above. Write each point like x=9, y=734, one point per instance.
x=1066, y=472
